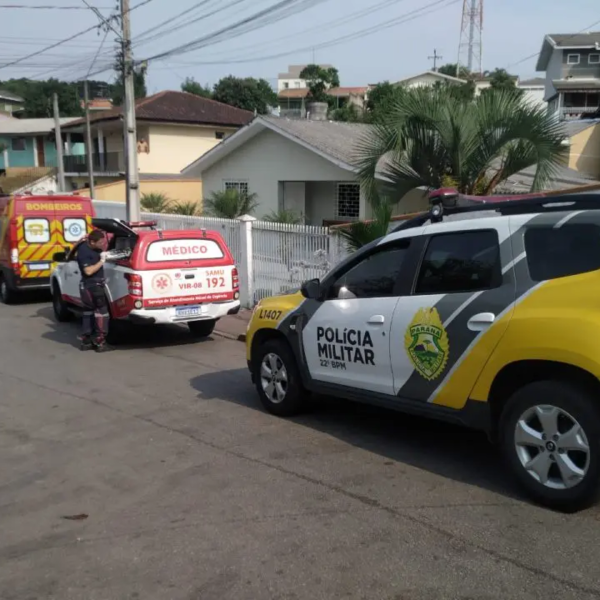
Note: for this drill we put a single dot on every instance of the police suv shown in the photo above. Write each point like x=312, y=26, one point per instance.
x=487, y=316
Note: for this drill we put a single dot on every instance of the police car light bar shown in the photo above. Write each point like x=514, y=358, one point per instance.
x=441, y=206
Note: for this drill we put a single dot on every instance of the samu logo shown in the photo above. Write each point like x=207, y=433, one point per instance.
x=426, y=343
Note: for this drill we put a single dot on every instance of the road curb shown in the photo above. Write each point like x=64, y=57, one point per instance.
x=236, y=338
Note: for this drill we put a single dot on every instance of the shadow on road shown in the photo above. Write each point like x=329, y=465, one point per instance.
x=447, y=450
x=129, y=337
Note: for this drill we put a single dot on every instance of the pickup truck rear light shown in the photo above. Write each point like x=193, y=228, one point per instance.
x=235, y=279
x=134, y=285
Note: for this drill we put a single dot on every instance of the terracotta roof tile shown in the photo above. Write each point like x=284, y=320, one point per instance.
x=178, y=107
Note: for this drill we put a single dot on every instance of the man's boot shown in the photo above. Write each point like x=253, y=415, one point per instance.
x=85, y=343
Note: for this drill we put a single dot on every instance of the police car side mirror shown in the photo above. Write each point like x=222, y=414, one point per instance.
x=59, y=257
x=311, y=289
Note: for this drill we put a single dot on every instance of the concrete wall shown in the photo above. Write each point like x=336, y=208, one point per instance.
x=173, y=147
x=270, y=158
x=584, y=152
x=554, y=71
x=178, y=191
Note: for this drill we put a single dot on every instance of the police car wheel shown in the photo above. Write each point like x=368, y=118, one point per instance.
x=277, y=379
x=551, y=440
x=61, y=311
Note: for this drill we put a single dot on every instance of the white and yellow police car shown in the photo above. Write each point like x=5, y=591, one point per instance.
x=488, y=319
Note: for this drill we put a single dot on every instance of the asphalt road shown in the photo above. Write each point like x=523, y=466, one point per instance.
x=194, y=493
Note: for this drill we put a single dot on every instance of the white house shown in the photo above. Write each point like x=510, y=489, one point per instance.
x=534, y=90
x=305, y=166
x=291, y=79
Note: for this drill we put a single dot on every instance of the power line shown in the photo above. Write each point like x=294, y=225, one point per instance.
x=48, y=7
x=322, y=26
x=566, y=38
x=273, y=14
x=405, y=18
x=66, y=40
x=97, y=53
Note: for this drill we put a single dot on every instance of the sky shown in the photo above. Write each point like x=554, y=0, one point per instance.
x=381, y=43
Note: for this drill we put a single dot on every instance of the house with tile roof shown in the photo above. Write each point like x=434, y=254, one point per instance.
x=293, y=101
x=173, y=128
x=308, y=167
x=10, y=103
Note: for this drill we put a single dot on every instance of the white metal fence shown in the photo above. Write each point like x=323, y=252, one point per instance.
x=271, y=257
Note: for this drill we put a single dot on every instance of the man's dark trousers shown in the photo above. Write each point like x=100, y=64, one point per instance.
x=95, y=312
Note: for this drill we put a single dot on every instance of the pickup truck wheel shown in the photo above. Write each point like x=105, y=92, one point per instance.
x=551, y=439
x=7, y=294
x=61, y=310
x=277, y=379
x=202, y=329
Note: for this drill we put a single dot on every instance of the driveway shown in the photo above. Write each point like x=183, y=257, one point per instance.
x=179, y=487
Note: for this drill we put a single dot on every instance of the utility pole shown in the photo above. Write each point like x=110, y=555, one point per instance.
x=59, y=145
x=435, y=58
x=88, y=139
x=130, y=133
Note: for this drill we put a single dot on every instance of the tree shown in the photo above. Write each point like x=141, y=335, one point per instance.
x=460, y=91
x=230, y=204
x=450, y=70
x=155, y=202
x=283, y=216
x=381, y=99
x=189, y=208
x=431, y=135
x=139, y=81
x=191, y=86
x=348, y=113
x=319, y=80
x=356, y=235
x=247, y=93
x=500, y=79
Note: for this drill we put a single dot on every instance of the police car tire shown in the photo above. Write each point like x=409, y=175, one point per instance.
x=296, y=397
x=581, y=404
x=202, y=329
x=61, y=311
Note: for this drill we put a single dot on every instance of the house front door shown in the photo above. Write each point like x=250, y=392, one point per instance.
x=41, y=151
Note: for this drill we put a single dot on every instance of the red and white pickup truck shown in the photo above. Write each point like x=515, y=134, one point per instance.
x=154, y=276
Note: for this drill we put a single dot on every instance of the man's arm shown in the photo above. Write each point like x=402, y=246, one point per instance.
x=94, y=268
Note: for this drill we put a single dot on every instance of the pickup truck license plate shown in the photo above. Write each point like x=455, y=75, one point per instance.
x=189, y=311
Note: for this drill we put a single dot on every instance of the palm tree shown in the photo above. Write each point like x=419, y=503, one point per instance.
x=190, y=208
x=429, y=137
x=155, y=202
x=283, y=216
x=230, y=204
x=356, y=235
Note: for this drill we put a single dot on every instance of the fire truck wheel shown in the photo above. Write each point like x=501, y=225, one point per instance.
x=7, y=294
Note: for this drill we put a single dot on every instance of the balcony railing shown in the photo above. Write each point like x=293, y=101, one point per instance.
x=292, y=113
x=574, y=112
x=109, y=162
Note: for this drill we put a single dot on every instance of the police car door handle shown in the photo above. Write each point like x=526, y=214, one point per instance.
x=376, y=320
x=481, y=321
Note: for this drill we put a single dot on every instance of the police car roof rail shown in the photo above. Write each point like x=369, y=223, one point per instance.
x=445, y=205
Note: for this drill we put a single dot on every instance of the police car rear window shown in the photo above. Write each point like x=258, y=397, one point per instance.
x=563, y=251
x=184, y=249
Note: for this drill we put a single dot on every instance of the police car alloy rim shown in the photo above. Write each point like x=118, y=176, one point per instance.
x=552, y=447
x=273, y=378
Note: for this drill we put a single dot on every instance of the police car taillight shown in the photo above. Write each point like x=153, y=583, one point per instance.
x=134, y=284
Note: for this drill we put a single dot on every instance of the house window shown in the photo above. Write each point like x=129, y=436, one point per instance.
x=240, y=186
x=286, y=84
x=18, y=144
x=594, y=59
x=297, y=84
x=348, y=201
x=220, y=135
x=573, y=59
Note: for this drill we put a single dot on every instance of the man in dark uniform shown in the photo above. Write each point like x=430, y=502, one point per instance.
x=93, y=296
